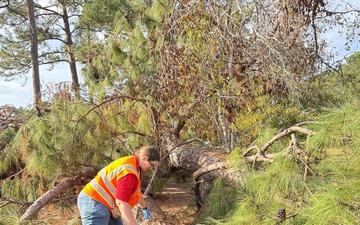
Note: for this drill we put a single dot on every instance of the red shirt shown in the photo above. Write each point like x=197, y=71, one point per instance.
x=126, y=185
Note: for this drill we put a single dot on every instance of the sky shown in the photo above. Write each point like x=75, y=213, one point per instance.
x=18, y=93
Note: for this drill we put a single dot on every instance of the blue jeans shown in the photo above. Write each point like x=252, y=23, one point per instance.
x=95, y=213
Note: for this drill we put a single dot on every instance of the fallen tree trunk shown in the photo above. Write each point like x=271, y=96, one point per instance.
x=49, y=196
x=83, y=175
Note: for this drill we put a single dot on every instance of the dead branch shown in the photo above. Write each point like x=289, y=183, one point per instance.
x=260, y=158
x=5, y=202
x=203, y=170
x=8, y=117
x=250, y=149
x=301, y=155
x=14, y=175
x=280, y=135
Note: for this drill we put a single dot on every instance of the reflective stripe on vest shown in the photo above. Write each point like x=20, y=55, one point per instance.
x=107, y=181
x=111, y=175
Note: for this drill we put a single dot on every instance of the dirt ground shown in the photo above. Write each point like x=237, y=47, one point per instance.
x=174, y=205
x=178, y=203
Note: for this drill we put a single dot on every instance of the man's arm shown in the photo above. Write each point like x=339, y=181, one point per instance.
x=142, y=202
x=126, y=212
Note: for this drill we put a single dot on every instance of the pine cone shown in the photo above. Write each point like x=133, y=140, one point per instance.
x=281, y=214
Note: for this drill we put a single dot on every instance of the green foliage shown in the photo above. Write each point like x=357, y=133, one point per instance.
x=266, y=135
x=9, y=215
x=278, y=184
x=21, y=188
x=326, y=192
x=49, y=145
x=105, y=12
x=336, y=203
x=331, y=88
x=124, y=60
x=339, y=127
x=351, y=75
x=6, y=136
x=158, y=10
x=281, y=179
x=220, y=200
x=273, y=114
x=236, y=161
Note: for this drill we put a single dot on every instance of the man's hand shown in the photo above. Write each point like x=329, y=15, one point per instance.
x=147, y=214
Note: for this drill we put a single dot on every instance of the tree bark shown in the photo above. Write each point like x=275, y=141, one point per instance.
x=205, y=165
x=71, y=56
x=34, y=56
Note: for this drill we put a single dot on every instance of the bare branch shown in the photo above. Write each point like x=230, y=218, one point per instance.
x=285, y=133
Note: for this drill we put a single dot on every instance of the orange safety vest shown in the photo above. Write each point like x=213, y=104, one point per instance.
x=103, y=187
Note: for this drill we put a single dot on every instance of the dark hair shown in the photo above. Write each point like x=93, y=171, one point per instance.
x=151, y=152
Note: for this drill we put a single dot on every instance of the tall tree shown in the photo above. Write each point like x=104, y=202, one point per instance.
x=34, y=56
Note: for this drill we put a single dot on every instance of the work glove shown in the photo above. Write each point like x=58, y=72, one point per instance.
x=147, y=214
